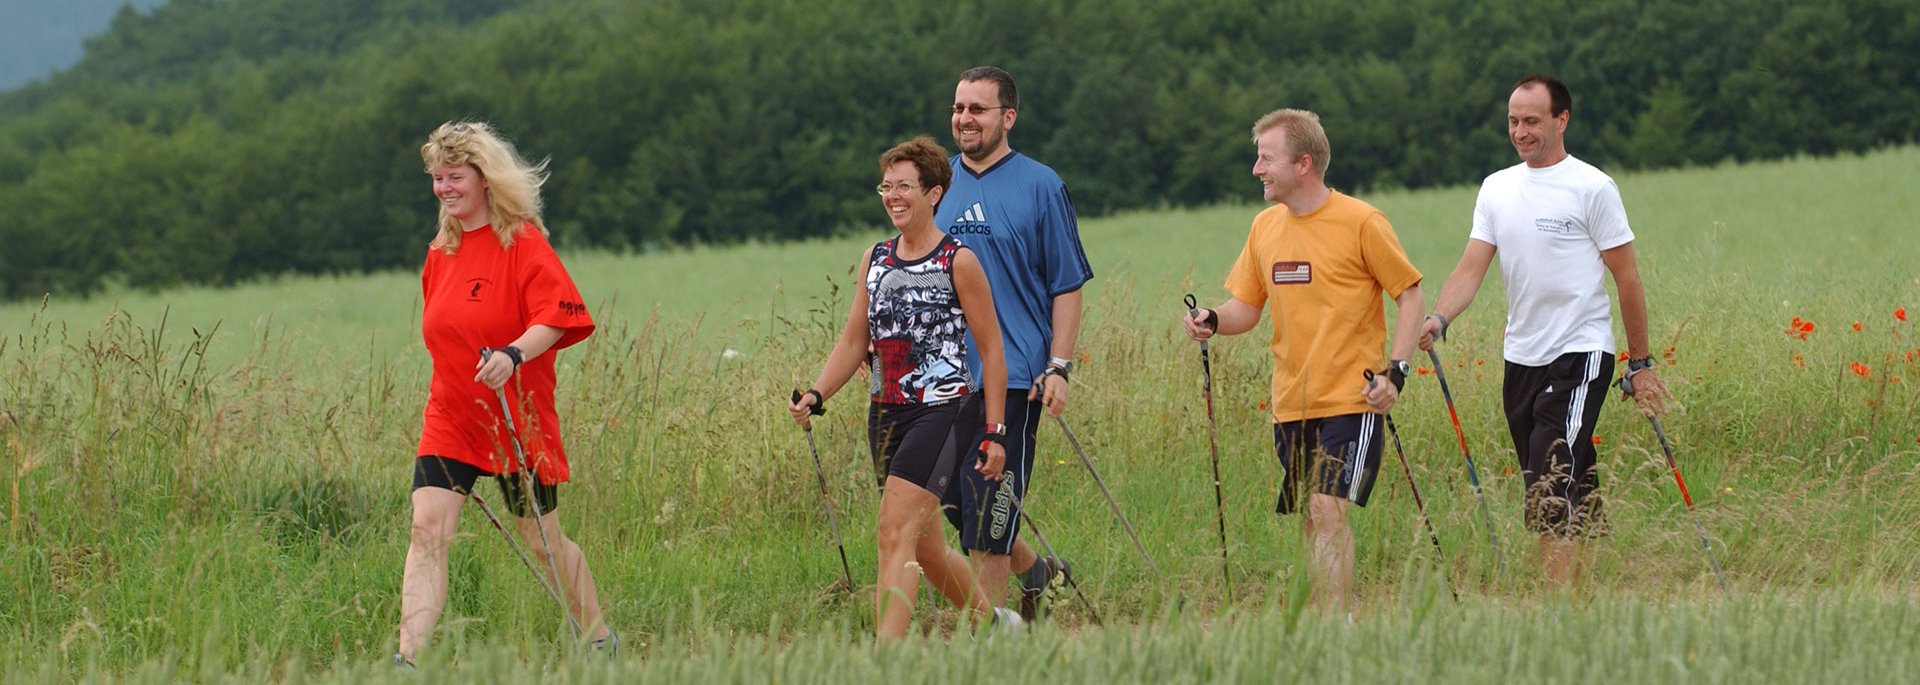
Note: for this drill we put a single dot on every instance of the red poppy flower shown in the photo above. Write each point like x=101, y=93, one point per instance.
x=1424, y=371
x=1861, y=370
x=1263, y=405
x=1597, y=440
x=1900, y=313
x=1857, y=327
x=1623, y=355
x=1479, y=362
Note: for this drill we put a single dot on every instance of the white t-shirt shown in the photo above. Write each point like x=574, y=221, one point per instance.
x=1549, y=226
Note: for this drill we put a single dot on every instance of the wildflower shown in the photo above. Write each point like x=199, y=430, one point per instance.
x=1597, y=439
x=1623, y=355
x=1479, y=362
x=1423, y=371
x=1799, y=360
x=1727, y=490
x=1857, y=327
x=1861, y=370
x=1084, y=357
x=1894, y=379
x=1800, y=328
x=1900, y=313
x=1263, y=405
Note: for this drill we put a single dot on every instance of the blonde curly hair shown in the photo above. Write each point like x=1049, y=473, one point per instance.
x=513, y=185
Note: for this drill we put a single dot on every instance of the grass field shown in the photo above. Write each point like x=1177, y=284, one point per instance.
x=211, y=484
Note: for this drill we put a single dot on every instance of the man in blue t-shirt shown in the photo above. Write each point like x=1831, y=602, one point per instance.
x=1014, y=213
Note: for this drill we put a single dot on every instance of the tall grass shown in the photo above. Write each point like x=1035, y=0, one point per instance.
x=202, y=482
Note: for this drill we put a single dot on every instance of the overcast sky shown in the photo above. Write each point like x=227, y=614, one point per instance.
x=39, y=37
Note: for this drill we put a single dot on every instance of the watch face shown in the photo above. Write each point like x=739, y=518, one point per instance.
x=1403, y=367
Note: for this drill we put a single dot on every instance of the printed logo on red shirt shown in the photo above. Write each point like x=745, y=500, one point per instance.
x=475, y=285
x=573, y=308
x=1288, y=273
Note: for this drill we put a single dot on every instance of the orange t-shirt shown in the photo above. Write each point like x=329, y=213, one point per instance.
x=485, y=295
x=1324, y=273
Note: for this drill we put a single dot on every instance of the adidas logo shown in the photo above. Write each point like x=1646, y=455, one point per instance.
x=976, y=213
x=972, y=222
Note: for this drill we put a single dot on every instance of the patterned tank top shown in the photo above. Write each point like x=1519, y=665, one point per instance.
x=919, y=334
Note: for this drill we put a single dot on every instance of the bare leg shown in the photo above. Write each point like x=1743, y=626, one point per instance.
x=994, y=571
x=423, y=581
x=576, y=580
x=1331, y=542
x=903, y=508
x=1023, y=556
x=1560, y=561
x=950, y=573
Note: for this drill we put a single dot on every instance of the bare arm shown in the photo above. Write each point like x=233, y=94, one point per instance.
x=494, y=370
x=1049, y=389
x=1412, y=310
x=1235, y=316
x=1459, y=290
x=976, y=302
x=846, y=356
x=1647, y=390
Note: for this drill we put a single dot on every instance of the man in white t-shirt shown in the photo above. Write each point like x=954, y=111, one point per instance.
x=1559, y=228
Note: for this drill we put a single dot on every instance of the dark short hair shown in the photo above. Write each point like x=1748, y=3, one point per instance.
x=926, y=156
x=1559, y=98
x=1009, y=95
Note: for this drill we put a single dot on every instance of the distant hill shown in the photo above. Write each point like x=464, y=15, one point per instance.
x=216, y=141
x=38, y=37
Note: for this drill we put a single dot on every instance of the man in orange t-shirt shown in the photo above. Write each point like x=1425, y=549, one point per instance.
x=1322, y=259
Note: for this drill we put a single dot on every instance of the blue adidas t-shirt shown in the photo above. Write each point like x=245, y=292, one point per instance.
x=1017, y=218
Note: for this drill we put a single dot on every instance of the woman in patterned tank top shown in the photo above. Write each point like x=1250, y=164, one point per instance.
x=922, y=291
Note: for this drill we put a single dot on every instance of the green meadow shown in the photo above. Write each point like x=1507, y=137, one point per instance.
x=211, y=485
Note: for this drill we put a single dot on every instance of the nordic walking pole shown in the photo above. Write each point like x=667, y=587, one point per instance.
x=1213, y=441
x=1626, y=386
x=1075, y=441
x=527, y=489
x=522, y=553
x=1473, y=474
x=825, y=500
x=1415, y=488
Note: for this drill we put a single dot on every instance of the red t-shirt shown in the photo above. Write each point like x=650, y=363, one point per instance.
x=486, y=296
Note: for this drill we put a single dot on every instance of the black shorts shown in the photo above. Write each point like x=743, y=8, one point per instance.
x=1550, y=412
x=1340, y=455
x=987, y=513
x=448, y=474
x=921, y=443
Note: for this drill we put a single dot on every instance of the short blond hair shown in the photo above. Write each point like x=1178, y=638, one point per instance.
x=513, y=185
x=1304, y=135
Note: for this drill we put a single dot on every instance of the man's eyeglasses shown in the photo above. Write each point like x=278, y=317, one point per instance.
x=885, y=189
x=975, y=109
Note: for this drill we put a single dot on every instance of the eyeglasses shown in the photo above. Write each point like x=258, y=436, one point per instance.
x=885, y=189
x=975, y=109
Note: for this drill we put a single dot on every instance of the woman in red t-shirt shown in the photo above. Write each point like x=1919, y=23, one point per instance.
x=491, y=282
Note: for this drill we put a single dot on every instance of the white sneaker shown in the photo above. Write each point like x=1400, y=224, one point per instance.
x=1006, y=622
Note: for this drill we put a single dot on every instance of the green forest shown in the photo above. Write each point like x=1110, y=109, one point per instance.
x=216, y=141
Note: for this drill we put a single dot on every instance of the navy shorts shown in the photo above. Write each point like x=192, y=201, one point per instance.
x=987, y=513
x=922, y=444
x=1550, y=412
x=447, y=474
x=1334, y=455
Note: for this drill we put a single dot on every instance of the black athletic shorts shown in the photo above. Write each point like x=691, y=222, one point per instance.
x=986, y=512
x=448, y=474
x=1340, y=455
x=922, y=444
x=1550, y=412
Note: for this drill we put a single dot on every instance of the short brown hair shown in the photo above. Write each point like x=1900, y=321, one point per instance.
x=1304, y=135
x=926, y=156
x=1559, y=99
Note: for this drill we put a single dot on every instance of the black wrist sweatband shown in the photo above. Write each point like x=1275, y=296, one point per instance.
x=514, y=354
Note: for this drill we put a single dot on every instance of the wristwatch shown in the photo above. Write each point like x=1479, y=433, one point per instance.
x=996, y=433
x=1637, y=365
x=1397, y=371
x=1058, y=367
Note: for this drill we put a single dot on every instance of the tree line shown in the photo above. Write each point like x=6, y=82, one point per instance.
x=214, y=141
